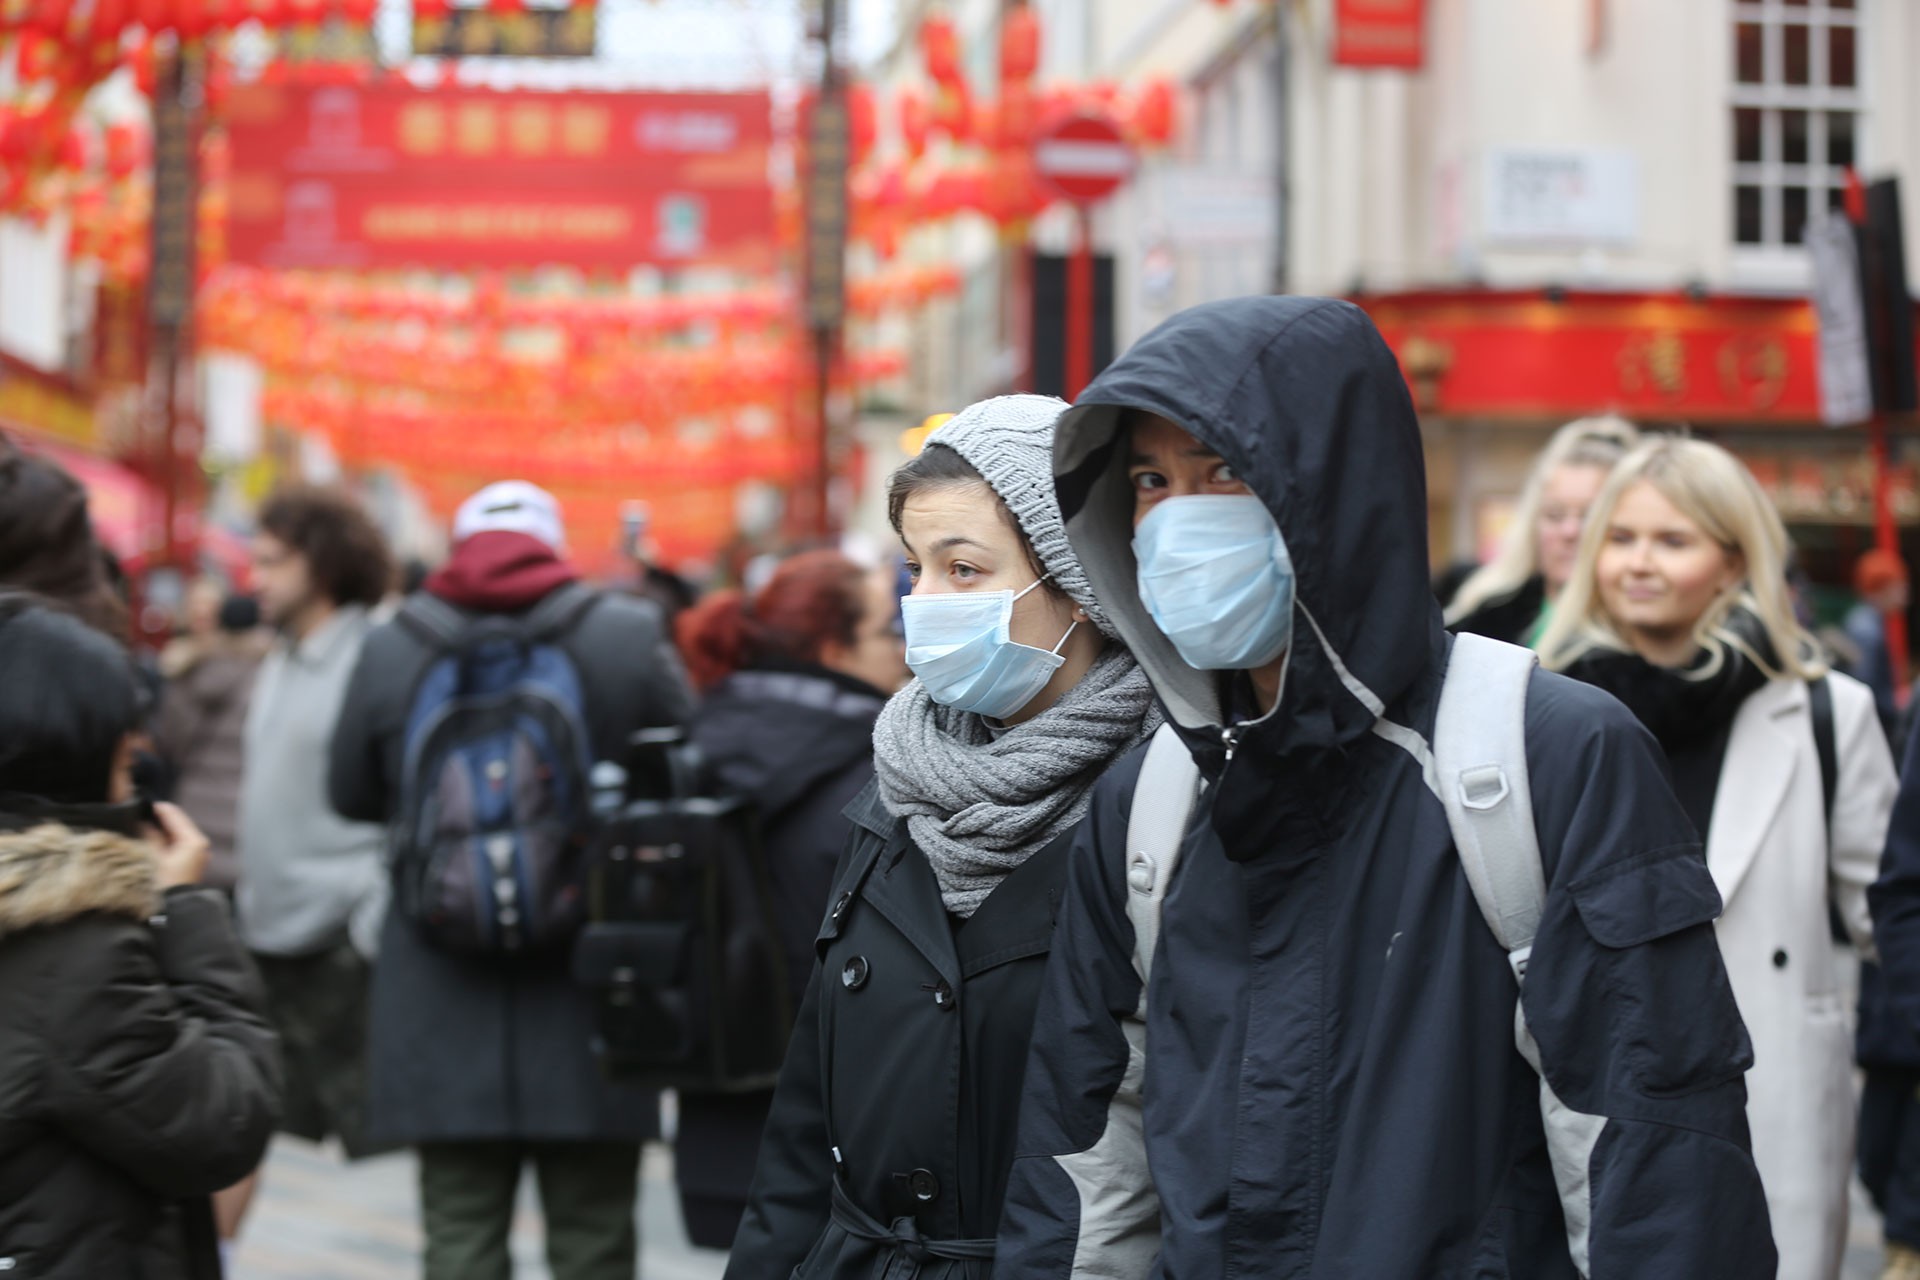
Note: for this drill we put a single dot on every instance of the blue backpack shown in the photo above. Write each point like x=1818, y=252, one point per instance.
x=494, y=819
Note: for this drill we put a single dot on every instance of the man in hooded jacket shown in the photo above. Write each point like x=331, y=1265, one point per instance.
x=1332, y=1086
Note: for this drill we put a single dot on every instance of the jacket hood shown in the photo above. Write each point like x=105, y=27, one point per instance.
x=1305, y=400
x=50, y=874
x=500, y=572
x=775, y=733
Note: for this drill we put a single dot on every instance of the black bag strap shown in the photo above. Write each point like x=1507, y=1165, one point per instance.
x=557, y=614
x=433, y=620
x=1825, y=744
x=445, y=628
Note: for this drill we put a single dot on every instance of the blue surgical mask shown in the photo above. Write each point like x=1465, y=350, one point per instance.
x=1215, y=575
x=958, y=643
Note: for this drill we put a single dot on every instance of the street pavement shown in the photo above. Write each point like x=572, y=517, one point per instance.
x=319, y=1218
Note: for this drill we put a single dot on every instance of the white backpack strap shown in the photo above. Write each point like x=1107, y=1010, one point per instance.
x=1162, y=803
x=1119, y=1225
x=1480, y=761
x=1480, y=765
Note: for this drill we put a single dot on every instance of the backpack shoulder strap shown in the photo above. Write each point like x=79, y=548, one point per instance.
x=435, y=622
x=1480, y=763
x=1162, y=802
x=555, y=615
x=1825, y=740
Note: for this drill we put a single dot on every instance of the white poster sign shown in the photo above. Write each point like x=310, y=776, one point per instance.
x=1536, y=196
x=1846, y=376
x=1206, y=207
x=33, y=291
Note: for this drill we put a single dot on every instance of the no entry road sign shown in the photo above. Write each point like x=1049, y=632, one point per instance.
x=1084, y=158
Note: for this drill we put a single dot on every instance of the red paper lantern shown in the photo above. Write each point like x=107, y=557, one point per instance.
x=190, y=18
x=424, y=10
x=1012, y=193
x=863, y=125
x=13, y=139
x=49, y=17
x=953, y=111
x=153, y=15
x=915, y=121
x=890, y=191
x=1016, y=120
x=34, y=56
x=109, y=19
x=954, y=191
x=145, y=75
x=940, y=47
x=72, y=155
x=124, y=150
x=359, y=12
x=1019, y=46
x=1154, y=113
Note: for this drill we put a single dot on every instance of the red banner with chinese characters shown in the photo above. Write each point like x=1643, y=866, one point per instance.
x=388, y=175
x=1663, y=357
x=1379, y=33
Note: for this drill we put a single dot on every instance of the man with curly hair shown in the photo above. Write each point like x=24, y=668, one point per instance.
x=312, y=890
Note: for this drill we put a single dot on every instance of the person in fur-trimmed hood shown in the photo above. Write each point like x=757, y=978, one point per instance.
x=137, y=1074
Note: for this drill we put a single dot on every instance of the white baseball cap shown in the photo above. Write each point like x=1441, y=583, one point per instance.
x=512, y=506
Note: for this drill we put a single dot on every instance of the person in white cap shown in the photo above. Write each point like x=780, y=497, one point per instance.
x=482, y=1061
x=512, y=506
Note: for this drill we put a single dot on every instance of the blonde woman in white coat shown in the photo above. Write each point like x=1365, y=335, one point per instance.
x=1678, y=606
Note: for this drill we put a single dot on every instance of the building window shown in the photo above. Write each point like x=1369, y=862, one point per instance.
x=1797, y=103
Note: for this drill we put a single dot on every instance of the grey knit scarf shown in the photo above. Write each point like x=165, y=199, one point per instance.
x=980, y=800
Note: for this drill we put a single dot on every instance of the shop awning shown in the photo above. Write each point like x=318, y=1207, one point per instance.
x=129, y=514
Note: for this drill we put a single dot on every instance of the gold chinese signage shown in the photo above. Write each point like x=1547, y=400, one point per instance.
x=532, y=33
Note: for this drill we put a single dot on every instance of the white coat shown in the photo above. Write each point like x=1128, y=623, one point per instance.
x=1776, y=869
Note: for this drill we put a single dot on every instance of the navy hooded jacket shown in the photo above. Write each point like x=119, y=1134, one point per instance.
x=1332, y=1087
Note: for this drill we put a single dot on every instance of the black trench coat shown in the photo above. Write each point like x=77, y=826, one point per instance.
x=906, y=1063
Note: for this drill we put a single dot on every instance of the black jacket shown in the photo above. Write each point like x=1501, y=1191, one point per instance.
x=798, y=741
x=460, y=1048
x=1889, y=1033
x=137, y=1074
x=1332, y=1086
x=1510, y=617
x=906, y=1062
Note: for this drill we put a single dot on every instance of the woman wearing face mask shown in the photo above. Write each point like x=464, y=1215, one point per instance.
x=892, y=1131
x=1510, y=598
x=1678, y=607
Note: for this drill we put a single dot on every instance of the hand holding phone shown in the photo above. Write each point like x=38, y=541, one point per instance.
x=181, y=850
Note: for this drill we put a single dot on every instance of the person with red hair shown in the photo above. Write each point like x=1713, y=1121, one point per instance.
x=793, y=677
x=1880, y=580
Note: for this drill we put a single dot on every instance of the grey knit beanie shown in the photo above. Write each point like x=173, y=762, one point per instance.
x=1009, y=441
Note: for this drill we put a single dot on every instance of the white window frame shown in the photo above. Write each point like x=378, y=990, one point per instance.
x=1771, y=174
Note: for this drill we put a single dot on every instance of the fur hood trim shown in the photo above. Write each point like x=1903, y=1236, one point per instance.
x=50, y=874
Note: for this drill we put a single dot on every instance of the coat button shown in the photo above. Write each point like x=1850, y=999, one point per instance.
x=840, y=908
x=1780, y=959
x=854, y=975
x=925, y=1187
x=943, y=996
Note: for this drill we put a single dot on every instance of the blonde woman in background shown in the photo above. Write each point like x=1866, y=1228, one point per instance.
x=1509, y=598
x=1678, y=606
